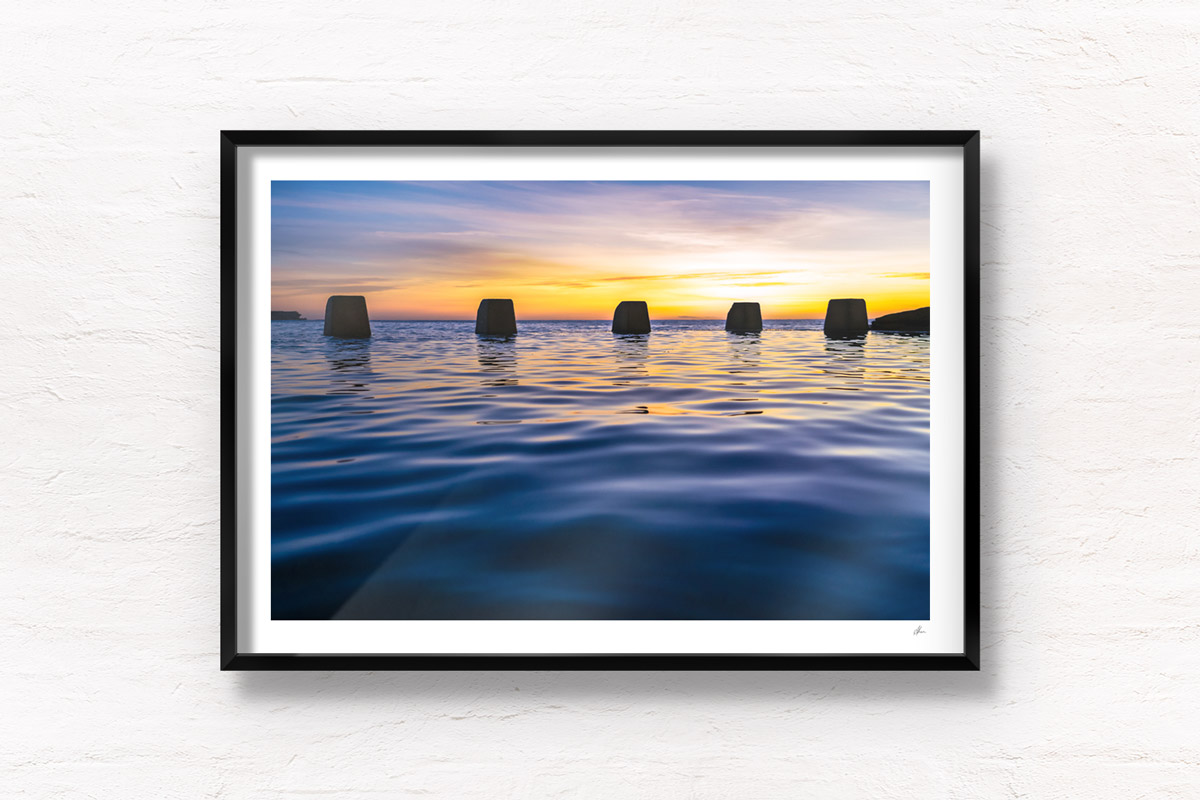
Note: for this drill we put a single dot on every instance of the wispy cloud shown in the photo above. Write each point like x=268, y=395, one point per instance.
x=306, y=285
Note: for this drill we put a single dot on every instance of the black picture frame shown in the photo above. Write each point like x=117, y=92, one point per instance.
x=232, y=140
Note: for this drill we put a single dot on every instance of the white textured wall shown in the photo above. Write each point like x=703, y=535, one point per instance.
x=109, y=425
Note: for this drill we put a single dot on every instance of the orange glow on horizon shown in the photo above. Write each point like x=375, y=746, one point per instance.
x=575, y=249
x=690, y=298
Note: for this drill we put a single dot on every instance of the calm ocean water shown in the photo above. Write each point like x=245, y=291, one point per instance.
x=427, y=473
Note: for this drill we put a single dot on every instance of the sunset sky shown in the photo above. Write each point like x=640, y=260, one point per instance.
x=574, y=249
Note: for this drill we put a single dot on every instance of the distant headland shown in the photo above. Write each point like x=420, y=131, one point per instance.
x=915, y=320
x=278, y=315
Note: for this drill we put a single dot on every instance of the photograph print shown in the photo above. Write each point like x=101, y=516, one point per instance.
x=600, y=400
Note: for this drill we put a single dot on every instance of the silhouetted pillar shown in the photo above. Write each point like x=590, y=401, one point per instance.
x=847, y=317
x=631, y=316
x=496, y=318
x=346, y=315
x=744, y=317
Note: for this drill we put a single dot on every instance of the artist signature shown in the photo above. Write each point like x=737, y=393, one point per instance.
x=919, y=630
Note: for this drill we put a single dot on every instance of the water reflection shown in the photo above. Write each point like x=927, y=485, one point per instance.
x=349, y=365
x=497, y=360
x=847, y=354
x=631, y=352
x=903, y=334
x=846, y=347
x=746, y=350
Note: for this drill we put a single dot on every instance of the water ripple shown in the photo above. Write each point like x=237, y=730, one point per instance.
x=566, y=473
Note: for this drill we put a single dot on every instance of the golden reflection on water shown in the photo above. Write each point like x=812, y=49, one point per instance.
x=545, y=377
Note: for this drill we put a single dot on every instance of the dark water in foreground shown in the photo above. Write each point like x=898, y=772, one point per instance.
x=428, y=473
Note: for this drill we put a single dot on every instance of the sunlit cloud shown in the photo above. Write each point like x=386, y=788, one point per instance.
x=573, y=249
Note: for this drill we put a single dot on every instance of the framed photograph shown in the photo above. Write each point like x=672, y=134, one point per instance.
x=600, y=400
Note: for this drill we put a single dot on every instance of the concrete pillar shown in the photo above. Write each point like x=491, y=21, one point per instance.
x=496, y=318
x=631, y=316
x=346, y=315
x=744, y=317
x=846, y=317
